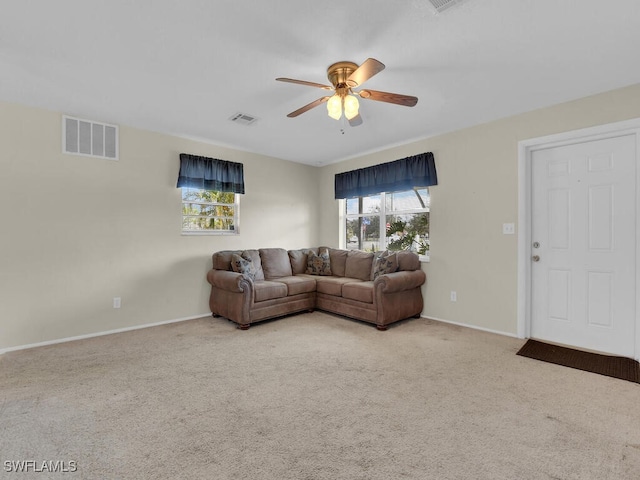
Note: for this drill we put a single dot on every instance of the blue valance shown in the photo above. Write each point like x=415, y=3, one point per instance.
x=210, y=174
x=404, y=174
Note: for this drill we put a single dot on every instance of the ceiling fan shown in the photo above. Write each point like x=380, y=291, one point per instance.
x=344, y=77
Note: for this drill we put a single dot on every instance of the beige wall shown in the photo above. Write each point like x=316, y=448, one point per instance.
x=478, y=192
x=78, y=231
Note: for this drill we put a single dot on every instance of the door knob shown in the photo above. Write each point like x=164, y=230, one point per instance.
x=535, y=258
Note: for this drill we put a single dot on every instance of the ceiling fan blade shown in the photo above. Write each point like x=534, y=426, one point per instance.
x=304, y=82
x=355, y=121
x=405, y=100
x=309, y=106
x=364, y=72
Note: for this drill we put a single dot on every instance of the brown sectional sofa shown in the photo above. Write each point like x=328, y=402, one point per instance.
x=281, y=286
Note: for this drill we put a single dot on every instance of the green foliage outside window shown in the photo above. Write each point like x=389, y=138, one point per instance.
x=408, y=235
x=208, y=210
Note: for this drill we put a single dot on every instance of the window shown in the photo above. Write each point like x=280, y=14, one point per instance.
x=209, y=211
x=393, y=221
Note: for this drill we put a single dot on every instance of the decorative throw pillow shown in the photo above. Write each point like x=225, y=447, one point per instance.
x=374, y=263
x=318, y=264
x=385, y=263
x=242, y=264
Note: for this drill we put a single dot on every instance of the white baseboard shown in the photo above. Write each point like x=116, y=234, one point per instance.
x=156, y=324
x=99, y=334
x=474, y=327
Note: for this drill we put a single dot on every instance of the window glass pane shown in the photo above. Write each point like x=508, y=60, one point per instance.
x=363, y=233
x=352, y=206
x=207, y=210
x=217, y=210
x=188, y=209
x=206, y=224
x=408, y=232
x=207, y=196
x=364, y=205
x=353, y=234
x=226, y=197
x=370, y=228
x=409, y=200
x=193, y=194
x=371, y=204
x=424, y=195
x=224, y=211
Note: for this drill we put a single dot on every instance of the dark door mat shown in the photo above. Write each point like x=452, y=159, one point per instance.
x=611, y=366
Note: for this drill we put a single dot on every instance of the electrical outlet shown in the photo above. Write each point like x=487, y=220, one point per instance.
x=116, y=302
x=454, y=296
x=508, y=228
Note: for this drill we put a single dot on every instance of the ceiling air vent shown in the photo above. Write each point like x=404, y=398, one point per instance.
x=89, y=138
x=442, y=5
x=242, y=119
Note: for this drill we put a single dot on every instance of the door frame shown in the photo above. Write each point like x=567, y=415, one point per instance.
x=525, y=207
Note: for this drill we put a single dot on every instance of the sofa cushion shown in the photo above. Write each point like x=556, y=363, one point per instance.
x=266, y=290
x=222, y=259
x=358, y=265
x=360, y=291
x=299, y=284
x=319, y=264
x=254, y=255
x=243, y=265
x=332, y=285
x=275, y=263
x=338, y=261
x=408, y=261
x=298, y=259
x=386, y=262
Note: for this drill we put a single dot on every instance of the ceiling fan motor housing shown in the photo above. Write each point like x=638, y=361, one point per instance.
x=339, y=72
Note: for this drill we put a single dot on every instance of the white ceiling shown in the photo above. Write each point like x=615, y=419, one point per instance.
x=184, y=67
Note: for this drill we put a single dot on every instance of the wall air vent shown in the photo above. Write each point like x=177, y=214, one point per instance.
x=243, y=119
x=441, y=5
x=89, y=138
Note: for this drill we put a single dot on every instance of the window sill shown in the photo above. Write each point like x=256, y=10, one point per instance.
x=198, y=234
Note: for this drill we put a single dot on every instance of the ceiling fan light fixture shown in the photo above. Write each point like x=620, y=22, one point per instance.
x=344, y=76
x=334, y=107
x=351, y=106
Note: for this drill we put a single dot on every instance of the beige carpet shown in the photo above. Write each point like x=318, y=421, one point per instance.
x=312, y=396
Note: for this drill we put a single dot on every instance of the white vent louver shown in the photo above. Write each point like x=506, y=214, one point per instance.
x=442, y=5
x=85, y=137
x=243, y=119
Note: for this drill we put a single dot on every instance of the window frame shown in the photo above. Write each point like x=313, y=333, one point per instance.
x=382, y=214
x=236, y=213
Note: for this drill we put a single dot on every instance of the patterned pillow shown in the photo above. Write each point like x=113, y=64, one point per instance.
x=385, y=263
x=318, y=264
x=243, y=264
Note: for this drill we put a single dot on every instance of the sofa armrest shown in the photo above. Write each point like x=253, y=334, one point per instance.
x=399, y=281
x=227, y=280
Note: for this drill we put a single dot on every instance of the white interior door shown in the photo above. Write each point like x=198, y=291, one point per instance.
x=583, y=233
